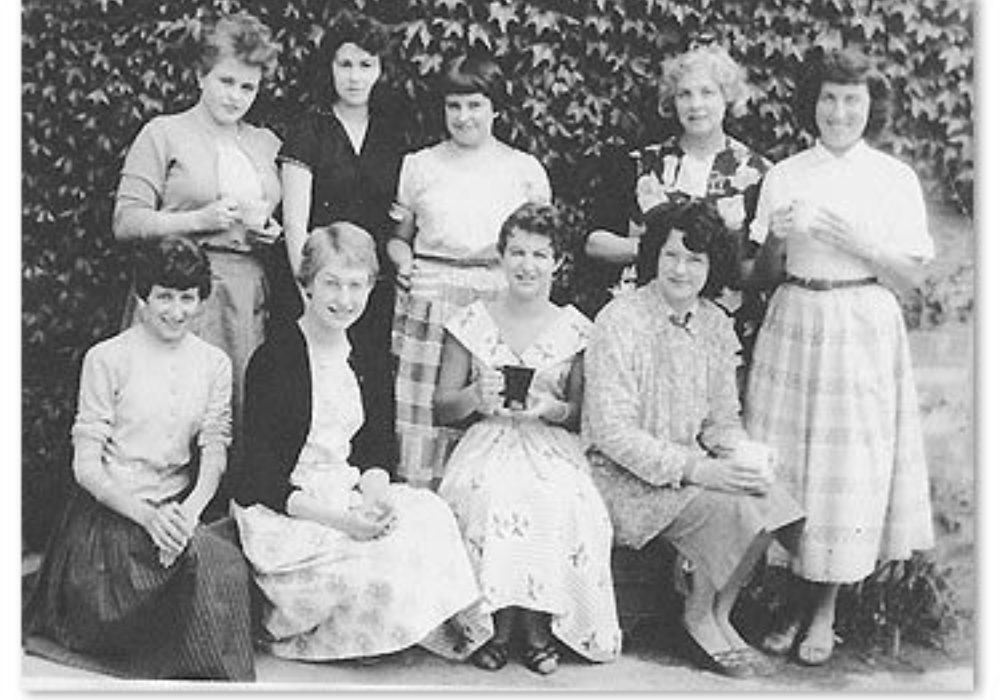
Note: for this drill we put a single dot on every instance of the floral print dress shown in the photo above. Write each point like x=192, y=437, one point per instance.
x=329, y=596
x=533, y=522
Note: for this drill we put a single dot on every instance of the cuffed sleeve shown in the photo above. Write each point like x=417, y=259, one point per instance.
x=96, y=403
x=216, y=427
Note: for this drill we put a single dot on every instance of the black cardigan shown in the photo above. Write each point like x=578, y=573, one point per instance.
x=277, y=414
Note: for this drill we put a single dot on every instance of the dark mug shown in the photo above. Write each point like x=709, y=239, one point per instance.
x=516, y=380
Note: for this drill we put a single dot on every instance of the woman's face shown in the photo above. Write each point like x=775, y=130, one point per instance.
x=700, y=104
x=229, y=89
x=355, y=72
x=842, y=114
x=170, y=312
x=338, y=293
x=469, y=118
x=681, y=273
x=529, y=262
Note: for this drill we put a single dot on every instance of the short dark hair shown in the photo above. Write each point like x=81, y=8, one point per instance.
x=843, y=67
x=241, y=35
x=703, y=231
x=172, y=262
x=537, y=218
x=347, y=27
x=473, y=73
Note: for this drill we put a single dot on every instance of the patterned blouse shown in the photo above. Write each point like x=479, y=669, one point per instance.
x=636, y=181
x=660, y=391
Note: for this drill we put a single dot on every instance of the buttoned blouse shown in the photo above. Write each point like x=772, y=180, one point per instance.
x=657, y=393
x=173, y=165
x=146, y=401
x=460, y=198
x=878, y=195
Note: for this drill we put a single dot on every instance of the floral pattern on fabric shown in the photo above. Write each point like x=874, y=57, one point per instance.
x=534, y=525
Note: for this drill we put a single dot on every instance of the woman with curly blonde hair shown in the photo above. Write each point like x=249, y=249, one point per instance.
x=698, y=89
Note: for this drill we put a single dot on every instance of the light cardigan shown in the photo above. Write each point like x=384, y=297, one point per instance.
x=173, y=166
x=656, y=395
x=146, y=402
x=877, y=194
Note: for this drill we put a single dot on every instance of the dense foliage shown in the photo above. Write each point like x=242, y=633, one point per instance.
x=581, y=78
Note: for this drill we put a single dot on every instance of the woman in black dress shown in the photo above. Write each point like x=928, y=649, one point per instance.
x=341, y=162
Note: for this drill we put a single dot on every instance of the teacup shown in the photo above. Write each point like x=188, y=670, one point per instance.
x=516, y=382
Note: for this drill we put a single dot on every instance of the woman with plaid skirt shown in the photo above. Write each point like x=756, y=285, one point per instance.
x=831, y=384
x=132, y=584
x=452, y=199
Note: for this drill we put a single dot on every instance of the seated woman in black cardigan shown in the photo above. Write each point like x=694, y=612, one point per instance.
x=348, y=564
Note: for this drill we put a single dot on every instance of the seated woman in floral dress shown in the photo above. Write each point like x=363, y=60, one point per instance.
x=343, y=575
x=662, y=417
x=534, y=525
x=131, y=580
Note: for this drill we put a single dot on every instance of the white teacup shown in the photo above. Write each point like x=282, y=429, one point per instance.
x=254, y=214
x=803, y=214
x=374, y=487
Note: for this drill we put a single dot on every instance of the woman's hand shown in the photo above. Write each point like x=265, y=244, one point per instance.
x=833, y=229
x=218, y=215
x=401, y=255
x=266, y=236
x=784, y=222
x=368, y=524
x=728, y=474
x=169, y=528
x=546, y=408
x=489, y=391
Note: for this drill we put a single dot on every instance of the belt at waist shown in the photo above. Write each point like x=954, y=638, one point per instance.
x=458, y=262
x=824, y=285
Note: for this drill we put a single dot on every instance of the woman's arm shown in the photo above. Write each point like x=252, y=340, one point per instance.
x=399, y=248
x=296, y=189
x=612, y=248
x=455, y=398
x=354, y=522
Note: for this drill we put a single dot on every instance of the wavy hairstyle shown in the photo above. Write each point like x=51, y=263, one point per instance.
x=703, y=231
x=242, y=36
x=540, y=219
x=172, y=262
x=341, y=238
x=716, y=61
x=843, y=67
x=347, y=27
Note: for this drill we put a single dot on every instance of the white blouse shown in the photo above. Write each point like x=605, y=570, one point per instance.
x=877, y=194
x=460, y=198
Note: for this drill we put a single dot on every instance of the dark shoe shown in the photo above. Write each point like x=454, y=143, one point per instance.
x=491, y=656
x=542, y=659
x=730, y=662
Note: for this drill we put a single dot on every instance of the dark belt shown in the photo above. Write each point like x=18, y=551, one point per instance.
x=821, y=285
x=459, y=262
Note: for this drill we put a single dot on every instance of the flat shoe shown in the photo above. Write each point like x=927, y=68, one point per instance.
x=730, y=662
x=491, y=656
x=542, y=659
x=761, y=664
x=813, y=653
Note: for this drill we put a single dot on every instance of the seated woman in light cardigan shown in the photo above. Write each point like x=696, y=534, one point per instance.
x=661, y=414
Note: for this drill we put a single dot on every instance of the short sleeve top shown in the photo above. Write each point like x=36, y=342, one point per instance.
x=877, y=194
x=146, y=401
x=459, y=200
x=348, y=185
x=173, y=165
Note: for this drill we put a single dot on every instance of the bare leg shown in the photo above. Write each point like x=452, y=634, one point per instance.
x=726, y=598
x=699, y=616
x=817, y=644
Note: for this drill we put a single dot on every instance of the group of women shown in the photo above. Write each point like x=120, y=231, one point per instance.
x=422, y=291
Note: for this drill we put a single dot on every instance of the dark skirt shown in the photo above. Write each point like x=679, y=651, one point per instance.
x=104, y=602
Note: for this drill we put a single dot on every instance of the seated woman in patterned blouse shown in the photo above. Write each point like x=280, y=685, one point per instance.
x=661, y=415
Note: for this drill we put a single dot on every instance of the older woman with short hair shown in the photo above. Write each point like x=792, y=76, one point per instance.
x=208, y=175
x=698, y=90
x=131, y=579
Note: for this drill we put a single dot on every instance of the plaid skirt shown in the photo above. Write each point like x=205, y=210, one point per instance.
x=832, y=389
x=103, y=601
x=438, y=291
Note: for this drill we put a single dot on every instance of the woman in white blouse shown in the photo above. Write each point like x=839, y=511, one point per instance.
x=452, y=199
x=831, y=385
x=131, y=580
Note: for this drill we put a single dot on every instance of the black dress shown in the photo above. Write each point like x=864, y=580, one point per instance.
x=360, y=188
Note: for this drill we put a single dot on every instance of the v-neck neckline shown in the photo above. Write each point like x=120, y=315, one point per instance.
x=547, y=329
